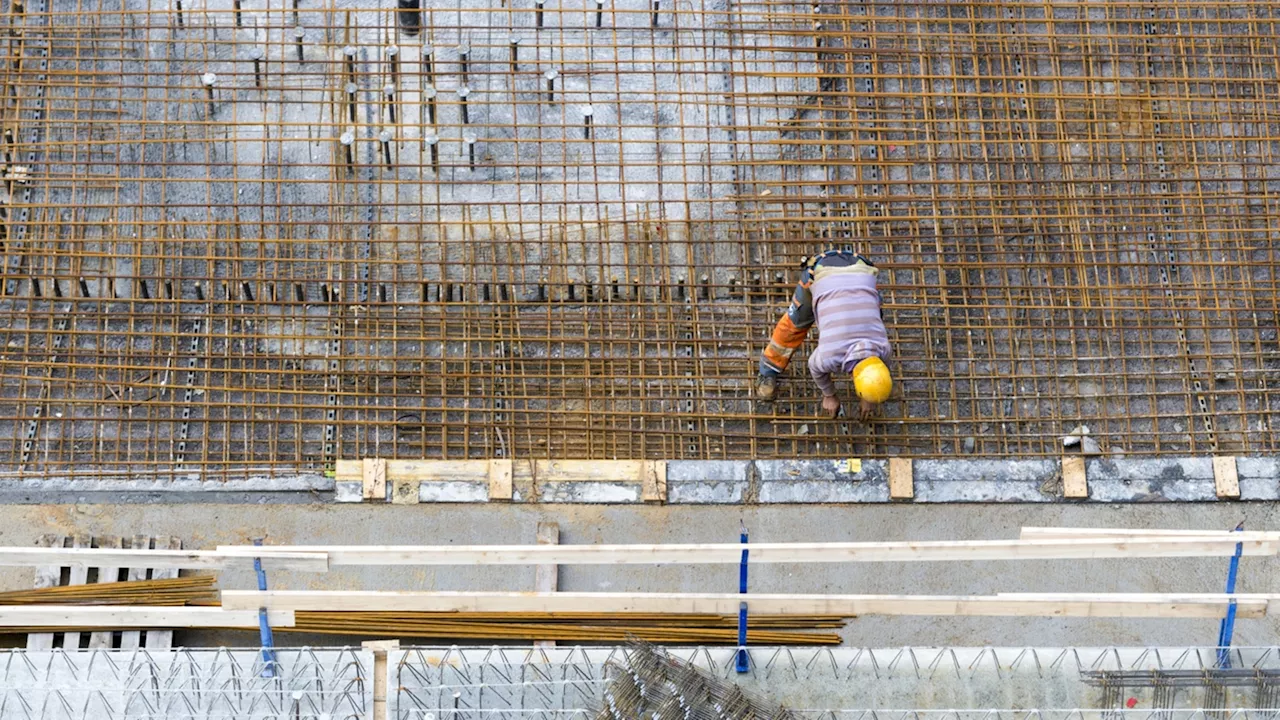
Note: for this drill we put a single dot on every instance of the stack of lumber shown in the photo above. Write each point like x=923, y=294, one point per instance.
x=610, y=617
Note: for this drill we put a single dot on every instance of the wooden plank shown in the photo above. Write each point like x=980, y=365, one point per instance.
x=901, y=479
x=165, y=559
x=1074, y=483
x=46, y=576
x=418, y=470
x=380, y=648
x=132, y=639
x=374, y=479
x=653, y=482
x=479, y=470
x=546, y=577
x=135, y=616
x=103, y=640
x=79, y=576
x=501, y=475
x=1226, y=480
x=589, y=470
x=162, y=639
x=731, y=553
x=1069, y=533
x=1060, y=605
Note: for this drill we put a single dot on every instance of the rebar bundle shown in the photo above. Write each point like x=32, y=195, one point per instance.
x=188, y=590
x=587, y=627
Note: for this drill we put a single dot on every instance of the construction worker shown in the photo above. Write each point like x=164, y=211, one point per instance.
x=837, y=290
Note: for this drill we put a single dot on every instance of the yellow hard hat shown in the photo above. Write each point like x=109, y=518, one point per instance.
x=872, y=381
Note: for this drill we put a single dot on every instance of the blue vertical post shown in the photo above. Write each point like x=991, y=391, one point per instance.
x=264, y=626
x=1228, y=626
x=743, y=663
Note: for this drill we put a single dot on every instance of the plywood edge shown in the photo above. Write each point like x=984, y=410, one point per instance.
x=374, y=479
x=653, y=482
x=1226, y=478
x=1074, y=483
x=501, y=480
x=901, y=479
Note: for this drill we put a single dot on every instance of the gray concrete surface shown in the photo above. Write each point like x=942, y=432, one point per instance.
x=208, y=525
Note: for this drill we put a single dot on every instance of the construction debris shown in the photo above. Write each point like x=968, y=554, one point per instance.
x=650, y=684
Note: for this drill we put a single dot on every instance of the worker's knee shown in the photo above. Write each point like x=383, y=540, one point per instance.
x=788, y=334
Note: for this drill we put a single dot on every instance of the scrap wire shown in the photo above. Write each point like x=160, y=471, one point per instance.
x=650, y=684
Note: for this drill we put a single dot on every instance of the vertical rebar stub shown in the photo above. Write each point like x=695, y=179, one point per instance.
x=470, y=142
x=432, y=141
x=349, y=58
x=347, y=140
x=208, y=79
x=393, y=64
x=351, y=89
x=429, y=99
x=409, y=14
x=299, y=34
x=389, y=93
x=384, y=138
x=551, y=76
x=256, y=54
x=463, y=93
x=428, y=65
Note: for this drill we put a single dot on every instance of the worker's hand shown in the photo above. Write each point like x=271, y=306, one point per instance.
x=866, y=410
x=831, y=406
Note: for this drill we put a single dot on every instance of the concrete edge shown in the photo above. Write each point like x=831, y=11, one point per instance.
x=728, y=482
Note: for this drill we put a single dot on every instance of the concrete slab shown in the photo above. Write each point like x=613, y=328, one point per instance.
x=207, y=525
x=718, y=482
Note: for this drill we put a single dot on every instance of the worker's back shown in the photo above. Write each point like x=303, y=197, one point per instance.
x=846, y=305
x=837, y=293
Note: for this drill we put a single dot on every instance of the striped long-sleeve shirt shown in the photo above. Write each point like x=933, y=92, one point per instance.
x=846, y=306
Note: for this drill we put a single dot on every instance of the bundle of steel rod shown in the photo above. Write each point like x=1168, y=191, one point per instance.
x=689, y=620
x=589, y=627
x=518, y=627
x=191, y=590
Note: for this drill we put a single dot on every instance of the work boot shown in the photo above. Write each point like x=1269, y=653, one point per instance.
x=765, y=387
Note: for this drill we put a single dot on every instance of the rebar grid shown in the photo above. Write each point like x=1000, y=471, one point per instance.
x=249, y=237
x=208, y=684
x=940, y=683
